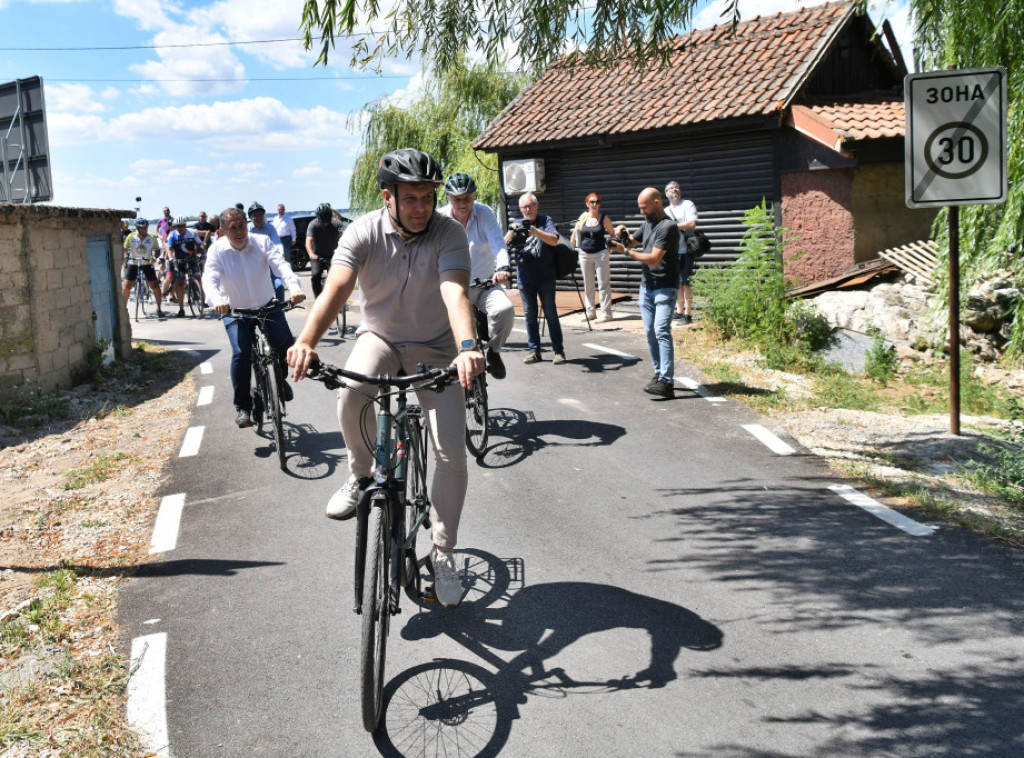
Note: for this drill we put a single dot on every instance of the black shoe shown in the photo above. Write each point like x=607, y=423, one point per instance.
x=659, y=388
x=495, y=364
x=243, y=419
x=161, y=314
x=180, y=314
x=286, y=391
x=687, y=319
x=678, y=317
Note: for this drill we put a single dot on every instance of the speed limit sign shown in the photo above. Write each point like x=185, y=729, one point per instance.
x=956, y=137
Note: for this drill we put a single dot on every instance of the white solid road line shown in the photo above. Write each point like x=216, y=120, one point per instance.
x=205, y=395
x=883, y=512
x=147, y=699
x=769, y=440
x=205, y=367
x=691, y=384
x=168, y=520
x=610, y=351
x=193, y=439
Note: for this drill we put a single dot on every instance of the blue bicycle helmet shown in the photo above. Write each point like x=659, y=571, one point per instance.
x=141, y=222
x=459, y=184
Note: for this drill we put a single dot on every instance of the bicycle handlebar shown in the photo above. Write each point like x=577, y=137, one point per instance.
x=333, y=377
x=263, y=311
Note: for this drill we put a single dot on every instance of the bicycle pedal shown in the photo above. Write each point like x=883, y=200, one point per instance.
x=428, y=595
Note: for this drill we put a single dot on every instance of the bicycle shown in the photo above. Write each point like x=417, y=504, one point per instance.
x=268, y=373
x=194, y=293
x=141, y=293
x=340, y=320
x=393, y=506
x=477, y=421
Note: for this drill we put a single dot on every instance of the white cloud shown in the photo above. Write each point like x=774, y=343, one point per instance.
x=312, y=169
x=260, y=20
x=72, y=98
x=147, y=165
x=149, y=13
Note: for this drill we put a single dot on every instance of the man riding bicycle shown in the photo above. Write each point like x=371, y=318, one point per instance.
x=413, y=267
x=142, y=249
x=237, y=275
x=183, y=251
x=490, y=262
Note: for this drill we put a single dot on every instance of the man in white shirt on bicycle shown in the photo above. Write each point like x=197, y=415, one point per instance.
x=490, y=261
x=237, y=275
x=413, y=267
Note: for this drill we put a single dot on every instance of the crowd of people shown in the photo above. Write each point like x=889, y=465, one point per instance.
x=421, y=272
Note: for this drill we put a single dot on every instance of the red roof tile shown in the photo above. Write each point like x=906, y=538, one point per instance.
x=717, y=75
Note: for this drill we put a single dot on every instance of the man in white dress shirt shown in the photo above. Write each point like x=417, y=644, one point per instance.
x=237, y=275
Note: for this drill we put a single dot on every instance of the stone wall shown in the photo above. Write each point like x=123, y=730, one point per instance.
x=46, y=314
x=817, y=206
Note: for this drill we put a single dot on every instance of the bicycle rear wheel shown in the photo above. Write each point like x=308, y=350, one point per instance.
x=376, y=615
x=416, y=494
x=476, y=417
x=275, y=411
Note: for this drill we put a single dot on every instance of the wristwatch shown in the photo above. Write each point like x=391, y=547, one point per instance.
x=467, y=345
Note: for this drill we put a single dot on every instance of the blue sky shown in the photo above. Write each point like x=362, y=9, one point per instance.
x=270, y=127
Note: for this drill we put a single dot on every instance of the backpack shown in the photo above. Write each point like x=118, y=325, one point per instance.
x=697, y=244
x=566, y=259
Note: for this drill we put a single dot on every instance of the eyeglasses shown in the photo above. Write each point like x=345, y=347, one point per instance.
x=527, y=206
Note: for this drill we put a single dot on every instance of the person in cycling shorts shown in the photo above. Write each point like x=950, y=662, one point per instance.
x=142, y=249
x=413, y=268
x=183, y=252
x=490, y=262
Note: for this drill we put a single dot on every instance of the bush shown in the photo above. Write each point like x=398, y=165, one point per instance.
x=880, y=361
x=747, y=300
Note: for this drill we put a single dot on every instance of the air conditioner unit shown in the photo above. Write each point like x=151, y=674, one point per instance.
x=523, y=176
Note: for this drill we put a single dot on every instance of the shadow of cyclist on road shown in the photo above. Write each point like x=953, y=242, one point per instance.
x=516, y=435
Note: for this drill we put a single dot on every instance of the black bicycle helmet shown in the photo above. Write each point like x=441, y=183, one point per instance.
x=324, y=212
x=407, y=165
x=459, y=184
x=256, y=207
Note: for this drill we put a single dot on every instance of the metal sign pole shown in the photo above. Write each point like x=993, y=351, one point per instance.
x=954, y=320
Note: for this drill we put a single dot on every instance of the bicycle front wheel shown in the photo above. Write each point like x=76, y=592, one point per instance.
x=376, y=615
x=476, y=417
x=140, y=301
x=274, y=410
x=195, y=298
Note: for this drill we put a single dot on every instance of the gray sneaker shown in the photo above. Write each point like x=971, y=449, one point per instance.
x=559, y=359
x=447, y=585
x=342, y=504
x=532, y=357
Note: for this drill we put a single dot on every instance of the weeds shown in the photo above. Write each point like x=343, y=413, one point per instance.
x=98, y=471
x=880, y=361
x=1002, y=474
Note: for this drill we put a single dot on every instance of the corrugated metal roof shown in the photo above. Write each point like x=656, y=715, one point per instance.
x=713, y=74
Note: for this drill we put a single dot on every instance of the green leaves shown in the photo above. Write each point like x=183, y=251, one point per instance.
x=537, y=32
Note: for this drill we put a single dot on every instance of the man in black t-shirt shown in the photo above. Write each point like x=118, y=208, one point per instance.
x=659, y=237
x=322, y=237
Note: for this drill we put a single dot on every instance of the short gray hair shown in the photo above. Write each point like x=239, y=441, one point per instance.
x=673, y=185
x=528, y=196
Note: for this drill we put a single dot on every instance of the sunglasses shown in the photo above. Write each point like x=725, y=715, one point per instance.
x=593, y=202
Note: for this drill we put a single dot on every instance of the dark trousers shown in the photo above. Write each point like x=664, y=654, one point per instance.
x=240, y=335
x=317, y=269
x=545, y=291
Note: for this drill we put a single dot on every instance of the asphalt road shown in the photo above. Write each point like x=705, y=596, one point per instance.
x=646, y=578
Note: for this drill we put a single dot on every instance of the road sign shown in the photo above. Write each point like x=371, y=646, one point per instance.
x=956, y=137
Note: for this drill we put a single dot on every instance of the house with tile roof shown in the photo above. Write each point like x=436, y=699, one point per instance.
x=802, y=109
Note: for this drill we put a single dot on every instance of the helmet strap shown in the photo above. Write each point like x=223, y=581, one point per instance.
x=397, y=221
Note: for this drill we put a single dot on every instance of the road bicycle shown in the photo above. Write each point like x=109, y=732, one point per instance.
x=477, y=412
x=268, y=375
x=340, y=320
x=193, y=293
x=393, y=506
x=141, y=294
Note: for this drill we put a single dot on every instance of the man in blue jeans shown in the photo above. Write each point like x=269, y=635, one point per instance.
x=535, y=276
x=659, y=238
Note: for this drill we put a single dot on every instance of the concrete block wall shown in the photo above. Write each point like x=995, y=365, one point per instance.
x=46, y=317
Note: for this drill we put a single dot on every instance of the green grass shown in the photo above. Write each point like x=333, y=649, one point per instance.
x=98, y=471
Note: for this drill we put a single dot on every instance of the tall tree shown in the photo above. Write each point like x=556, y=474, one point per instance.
x=975, y=34
x=454, y=107
x=538, y=31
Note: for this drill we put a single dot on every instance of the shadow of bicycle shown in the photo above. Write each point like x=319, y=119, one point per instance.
x=451, y=707
x=516, y=435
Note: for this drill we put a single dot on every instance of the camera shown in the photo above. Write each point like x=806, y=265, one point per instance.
x=622, y=238
x=520, y=236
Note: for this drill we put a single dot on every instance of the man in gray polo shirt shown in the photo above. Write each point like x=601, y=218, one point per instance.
x=413, y=267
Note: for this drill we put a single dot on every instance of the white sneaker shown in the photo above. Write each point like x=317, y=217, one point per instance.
x=591, y=315
x=342, y=504
x=447, y=585
x=606, y=316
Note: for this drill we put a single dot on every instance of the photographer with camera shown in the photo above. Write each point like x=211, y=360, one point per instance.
x=659, y=238
x=532, y=241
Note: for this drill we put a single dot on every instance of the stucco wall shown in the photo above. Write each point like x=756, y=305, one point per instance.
x=880, y=209
x=817, y=206
x=46, y=313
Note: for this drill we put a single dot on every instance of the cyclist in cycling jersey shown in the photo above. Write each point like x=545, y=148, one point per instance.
x=183, y=250
x=490, y=261
x=413, y=268
x=142, y=249
x=322, y=237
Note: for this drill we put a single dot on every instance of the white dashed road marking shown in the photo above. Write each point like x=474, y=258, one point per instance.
x=193, y=439
x=883, y=512
x=691, y=384
x=147, y=699
x=610, y=351
x=205, y=395
x=769, y=440
x=205, y=367
x=168, y=519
